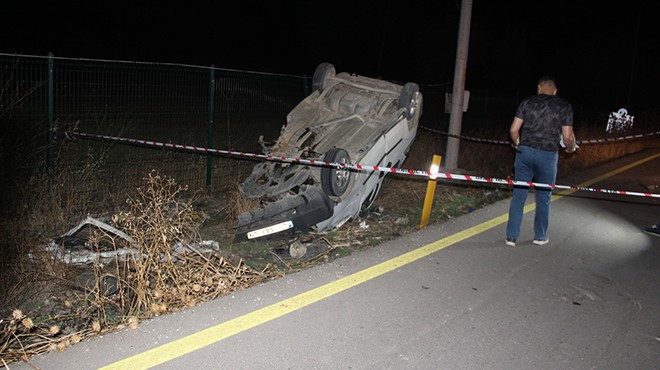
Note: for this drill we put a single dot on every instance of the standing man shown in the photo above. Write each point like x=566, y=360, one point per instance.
x=540, y=122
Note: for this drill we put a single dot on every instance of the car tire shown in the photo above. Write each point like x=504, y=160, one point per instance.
x=408, y=100
x=320, y=79
x=335, y=181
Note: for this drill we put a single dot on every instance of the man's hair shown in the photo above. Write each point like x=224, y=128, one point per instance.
x=548, y=80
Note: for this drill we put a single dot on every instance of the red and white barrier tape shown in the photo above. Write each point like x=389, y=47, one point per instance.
x=579, y=142
x=356, y=166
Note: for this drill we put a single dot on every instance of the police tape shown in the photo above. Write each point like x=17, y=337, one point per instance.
x=508, y=142
x=358, y=167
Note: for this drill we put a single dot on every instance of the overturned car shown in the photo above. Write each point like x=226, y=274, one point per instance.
x=347, y=119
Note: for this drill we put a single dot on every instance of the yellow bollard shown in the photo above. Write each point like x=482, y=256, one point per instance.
x=430, y=192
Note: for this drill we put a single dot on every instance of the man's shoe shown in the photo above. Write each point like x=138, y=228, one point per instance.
x=653, y=230
x=510, y=242
x=540, y=242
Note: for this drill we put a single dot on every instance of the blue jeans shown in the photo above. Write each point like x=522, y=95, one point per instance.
x=539, y=166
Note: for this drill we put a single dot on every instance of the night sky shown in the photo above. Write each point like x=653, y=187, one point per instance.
x=602, y=55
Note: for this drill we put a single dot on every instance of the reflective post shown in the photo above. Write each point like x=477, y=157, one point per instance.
x=430, y=192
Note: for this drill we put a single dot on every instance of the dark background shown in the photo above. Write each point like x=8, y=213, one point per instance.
x=604, y=56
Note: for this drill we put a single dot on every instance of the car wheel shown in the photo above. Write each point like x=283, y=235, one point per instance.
x=408, y=100
x=335, y=181
x=321, y=75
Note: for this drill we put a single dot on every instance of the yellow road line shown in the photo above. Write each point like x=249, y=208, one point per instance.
x=229, y=328
x=224, y=330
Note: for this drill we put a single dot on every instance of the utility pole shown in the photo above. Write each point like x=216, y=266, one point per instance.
x=458, y=90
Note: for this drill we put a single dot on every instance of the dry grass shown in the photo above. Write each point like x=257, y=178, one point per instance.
x=239, y=203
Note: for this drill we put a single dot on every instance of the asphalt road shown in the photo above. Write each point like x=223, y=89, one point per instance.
x=451, y=296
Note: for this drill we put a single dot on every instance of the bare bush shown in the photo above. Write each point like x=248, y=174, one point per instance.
x=164, y=274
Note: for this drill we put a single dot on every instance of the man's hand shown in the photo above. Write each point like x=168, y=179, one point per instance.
x=572, y=147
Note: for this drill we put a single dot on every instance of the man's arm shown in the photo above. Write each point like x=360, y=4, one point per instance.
x=569, y=138
x=514, y=132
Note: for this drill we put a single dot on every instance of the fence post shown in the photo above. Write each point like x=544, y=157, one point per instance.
x=50, y=161
x=209, y=140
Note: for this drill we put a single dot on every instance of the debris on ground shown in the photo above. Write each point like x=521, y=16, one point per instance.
x=78, y=247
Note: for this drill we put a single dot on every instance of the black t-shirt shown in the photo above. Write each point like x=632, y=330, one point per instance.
x=543, y=116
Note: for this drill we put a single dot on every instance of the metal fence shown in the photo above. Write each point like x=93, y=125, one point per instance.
x=42, y=98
